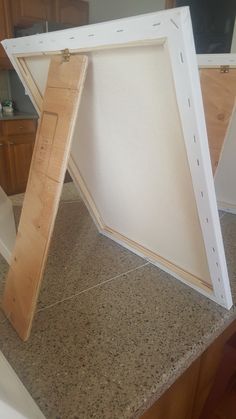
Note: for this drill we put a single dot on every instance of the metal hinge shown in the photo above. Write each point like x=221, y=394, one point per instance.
x=66, y=55
x=224, y=68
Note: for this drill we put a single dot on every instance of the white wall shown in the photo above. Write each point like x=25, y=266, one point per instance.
x=102, y=10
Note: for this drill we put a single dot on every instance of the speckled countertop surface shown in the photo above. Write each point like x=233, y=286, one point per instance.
x=17, y=115
x=112, y=332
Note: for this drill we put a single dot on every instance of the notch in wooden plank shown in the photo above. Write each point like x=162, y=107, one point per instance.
x=60, y=106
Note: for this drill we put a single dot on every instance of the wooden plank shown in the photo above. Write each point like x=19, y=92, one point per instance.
x=48, y=167
x=219, y=92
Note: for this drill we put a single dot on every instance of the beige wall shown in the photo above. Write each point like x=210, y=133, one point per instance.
x=102, y=10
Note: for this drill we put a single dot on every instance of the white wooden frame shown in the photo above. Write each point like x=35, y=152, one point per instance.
x=225, y=173
x=216, y=60
x=174, y=26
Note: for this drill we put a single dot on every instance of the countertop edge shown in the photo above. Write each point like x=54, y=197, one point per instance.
x=17, y=116
x=191, y=356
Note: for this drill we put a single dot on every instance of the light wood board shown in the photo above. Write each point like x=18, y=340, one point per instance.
x=48, y=167
x=219, y=92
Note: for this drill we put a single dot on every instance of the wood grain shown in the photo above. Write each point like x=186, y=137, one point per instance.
x=48, y=167
x=210, y=360
x=227, y=408
x=219, y=92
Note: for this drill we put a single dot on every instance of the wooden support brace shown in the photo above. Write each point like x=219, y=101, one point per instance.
x=60, y=106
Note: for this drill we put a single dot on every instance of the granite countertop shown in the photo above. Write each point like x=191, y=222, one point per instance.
x=112, y=332
x=17, y=115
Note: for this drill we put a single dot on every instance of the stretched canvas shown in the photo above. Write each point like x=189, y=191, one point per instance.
x=139, y=154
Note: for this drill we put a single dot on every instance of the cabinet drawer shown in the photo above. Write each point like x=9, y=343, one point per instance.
x=21, y=126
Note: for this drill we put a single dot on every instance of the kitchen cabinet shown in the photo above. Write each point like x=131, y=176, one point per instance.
x=5, y=32
x=26, y=12
x=178, y=401
x=16, y=148
x=18, y=126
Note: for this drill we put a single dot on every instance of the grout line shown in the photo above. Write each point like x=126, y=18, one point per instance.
x=91, y=288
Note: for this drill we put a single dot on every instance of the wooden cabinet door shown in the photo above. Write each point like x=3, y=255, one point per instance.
x=27, y=12
x=5, y=32
x=19, y=126
x=4, y=168
x=72, y=12
x=177, y=402
x=20, y=154
x=210, y=360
